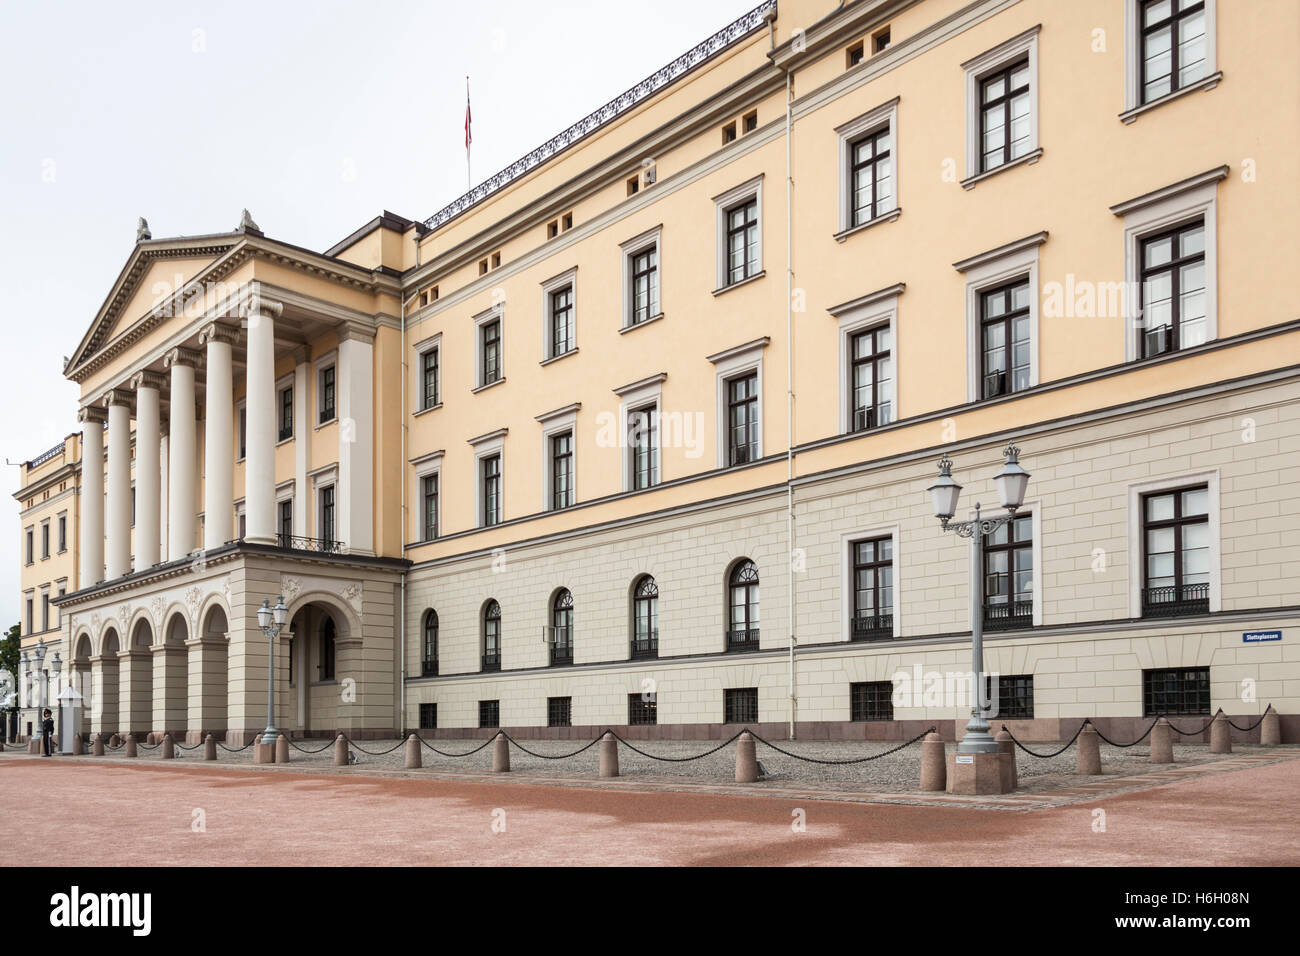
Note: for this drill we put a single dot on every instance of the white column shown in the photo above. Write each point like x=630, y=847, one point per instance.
x=92, y=496
x=259, y=458
x=218, y=437
x=302, y=432
x=164, y=444
x=148, y=480
x=117, y=538
x=182, y=485
x=355, y=508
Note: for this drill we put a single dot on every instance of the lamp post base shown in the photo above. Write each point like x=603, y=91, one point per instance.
x=263, y=753
x=978, y=773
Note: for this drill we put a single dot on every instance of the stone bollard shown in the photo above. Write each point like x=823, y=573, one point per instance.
x=608, y=748
x=412, y=761
x=746, y=761
x=34, y=745
x=1089, y=761
x=282, y=749
x=934, y=769
x=340, y=751
x=78, y=746
x=115, y=740
x=1162, y=742
x=500, y=754
x=97, y=748
x=168, y=747
x=1220, y=734
x=1010, y=773
x=209, y=747
x=1270, y=731
x=130, y=745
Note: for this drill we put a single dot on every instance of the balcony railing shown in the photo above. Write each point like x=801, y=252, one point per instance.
x=301, y=543
x=1009, y=615
x=645, y=646
x=561, y=654
x=877, y=628
x=1176, y=600
x=492, y=661
x=429, y=668
x=742, y=639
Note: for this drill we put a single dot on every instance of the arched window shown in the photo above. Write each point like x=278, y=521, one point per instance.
x=645, y=618
x=327, y=648
x=742, y=613
x=429, y=660
x=562, y=627
x=492, y=636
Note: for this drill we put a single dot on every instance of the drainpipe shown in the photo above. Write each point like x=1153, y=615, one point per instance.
x=401, y=611
x=789, y=391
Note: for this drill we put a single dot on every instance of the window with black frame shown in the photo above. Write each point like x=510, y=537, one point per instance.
x=871, y=176
x=742, y=419
x=490, y=467
x=490, y=370
x=1174, y=49
x=1176, y=692
x=1015, y=700
x=561, y=321
x=742, y=610
x=284, y=523
x=429, y=655
x=559, y=712
x=429, y=507
x=1005, y=341
x=642, y=709
x=643, y=447
x=492, y=636
x=644, y=277
x=742, y=241
x=1005, y=129
x=1176, y=552
x=1009, y=575
x=429, y=378
x=561, y=470
x=1173, y=292
x=873, y=590
x=489, y=713
x=326, y=498
x=645, y=618
x=428, y=716
x=871, y=700
x=326, y=395
x=740, y=705
x=327, y=649
x=871, y=374
x=286, y=413
x=562, y=628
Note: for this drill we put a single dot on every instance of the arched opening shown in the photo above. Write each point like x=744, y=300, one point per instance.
x=104, y=692
x=171, y=673
x=429, y=645
x=561, y=644
x=310, y=668
x=491, y=636
x=645, y=617
x=208, y=665
x=742, y=606
x=79, y=678
x=135, y=682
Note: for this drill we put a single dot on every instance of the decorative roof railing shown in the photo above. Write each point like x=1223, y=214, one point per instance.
x=615, y=108
x=45, y=456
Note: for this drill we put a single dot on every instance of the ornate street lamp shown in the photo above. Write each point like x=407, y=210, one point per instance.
x=39, y=652
x=1012, y=482
x=271, y=620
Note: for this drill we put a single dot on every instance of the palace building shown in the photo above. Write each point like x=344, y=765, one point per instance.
x=637, y=433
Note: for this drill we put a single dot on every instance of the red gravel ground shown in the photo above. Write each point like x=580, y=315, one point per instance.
x=117, y=815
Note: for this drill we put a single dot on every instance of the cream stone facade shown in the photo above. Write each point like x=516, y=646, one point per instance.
x=608, y=429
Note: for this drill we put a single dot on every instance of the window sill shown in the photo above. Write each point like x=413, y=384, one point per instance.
x=562, y=355
x=284, y=441
x=641, y=325
x=327, y=422
x=1026, y=160
x=1209, y=83
x=862, y=227
x=483, y=388
x=736, y=285
x=422, y=411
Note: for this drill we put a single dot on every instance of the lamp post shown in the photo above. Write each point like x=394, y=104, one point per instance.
x=57, y=666
x=1011, y=482
x=271, y=620
x=39, y=653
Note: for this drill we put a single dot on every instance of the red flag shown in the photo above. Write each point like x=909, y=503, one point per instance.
x=468, y=138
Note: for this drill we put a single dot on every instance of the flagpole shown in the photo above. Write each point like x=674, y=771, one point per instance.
x=469, y=181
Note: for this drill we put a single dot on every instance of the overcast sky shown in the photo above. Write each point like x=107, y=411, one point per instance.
x=313, y=115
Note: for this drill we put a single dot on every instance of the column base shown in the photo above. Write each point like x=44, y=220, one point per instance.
x=977, y=774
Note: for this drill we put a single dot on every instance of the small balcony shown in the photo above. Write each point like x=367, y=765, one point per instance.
x=742, y=640
x=562, y=652
x=645, y=646
x=1008, y=615
x=879, y=627
x=429, y=668
x=491, y=661
x=297, y=542
x=1176, y=600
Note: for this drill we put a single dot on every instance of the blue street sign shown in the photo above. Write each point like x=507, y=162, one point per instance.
x=1257, y=637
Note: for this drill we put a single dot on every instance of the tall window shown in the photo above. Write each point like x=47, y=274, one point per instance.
x=742, y=241
x=561, y=470
x=871, y=700
x=742, y=419
x=740, y=705
x=1005, y=132
x=561, y=321
x=327, y=649
x=872, y=375
x=429, y=657
x=325, y=400
x=284, y=518
x=243, y=431
x=1176, y=544
x=645, y=285
x=562, y=625
x=490, y=371
x=327, y=514
x=45, y=530
x=871, y=191
x=63, y=533
x=643, y=446
x=873, y=590
x=429, y=378
x=1009, y=574
x=1173, y=51
x=492, y=636
x=31, y=545
x=31, y=619
x=429, y=507
x=1176, y=691
x=1004, y=334
x=742, y=612
x=286, y=413
x=491, y=491
x=1173, y=289
x=645, y=618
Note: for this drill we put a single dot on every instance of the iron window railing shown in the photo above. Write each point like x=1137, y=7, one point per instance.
x=740, y=705
x=1015, y=696
x=428, y=716
x=1176, y=600
x=1008, y=615
x=642, y=709
x=871, y=700
x=645, y=645
x=1183, y=691
x=492, y=661
x=873, y=628
x=429, y=668
x=742, y=639
x=489, y=713
x=559, y=712
x=297, y=542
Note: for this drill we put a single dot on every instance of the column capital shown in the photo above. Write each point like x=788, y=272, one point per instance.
x=258, y=303
x=92, y=414
x=181, y=355
x=147, y=378
x=218, y=332
x=121, y=395
x=356, y=332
